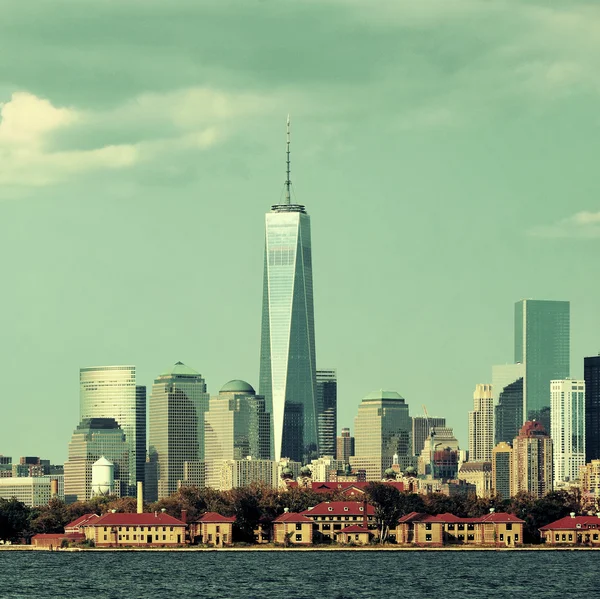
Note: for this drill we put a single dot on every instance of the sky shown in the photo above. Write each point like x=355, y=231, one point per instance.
x=445, y=151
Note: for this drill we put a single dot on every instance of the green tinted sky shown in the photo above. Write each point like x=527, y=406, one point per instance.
x=446, y=151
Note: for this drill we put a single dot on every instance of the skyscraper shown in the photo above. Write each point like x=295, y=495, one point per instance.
x=421, y=428
x=501, y=469
x=509, y=412
x=531, y=468
x=591, y=374
x=177, y=406
x=111, y=392
x=327, y=411
x=567, y=416
x=481, y=425
x=344, y=446
x=287, y=357
x=542, y=344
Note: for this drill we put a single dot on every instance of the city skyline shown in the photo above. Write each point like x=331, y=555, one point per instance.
x=134, y=228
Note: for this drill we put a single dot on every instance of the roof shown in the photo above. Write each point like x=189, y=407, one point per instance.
x=180, y=369
x=102, y=462
x=339, y=508
x=345, y=487
x=414, y=517
x=381, y=394
x=570, y=523
x=82, y=521
x=146, y=519
x=356, y=528
x=533, y=428
x=70, y=536
x=292, y=517
x=476, y=467
x=238, y=386
x=214, y=517
x=500, y=517
x=494, y=517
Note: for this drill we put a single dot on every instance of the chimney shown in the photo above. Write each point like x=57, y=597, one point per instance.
x=365, y=519
x=140, y=497
x=53, y=488
x=184, y=516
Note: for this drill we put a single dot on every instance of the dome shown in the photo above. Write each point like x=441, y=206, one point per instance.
x=237, y=386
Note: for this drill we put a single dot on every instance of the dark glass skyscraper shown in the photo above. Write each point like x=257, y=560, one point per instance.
x=542, y=344
x=509, y=412
x=327, y=411
x=591, y=374
x=287, y=357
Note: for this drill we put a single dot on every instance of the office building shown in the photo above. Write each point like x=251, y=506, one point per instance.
x=287, y=357
x=567, y=417
x=509, y=412
x=327, y=411
x=542, y=344
x=178, y=404
x=92, y=439
x=246, y=472
x=481, y=425
x=501, y=469
x=421, y=428
x=111, y=392
x=591, y=375
x=531, y=468
x=441, y=456
x=382, y=430
x=344, y=446
x=478, y=474
x=590, y=483
x=33, y=491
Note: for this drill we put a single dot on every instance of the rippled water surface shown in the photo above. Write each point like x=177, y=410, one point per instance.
x=298, y=575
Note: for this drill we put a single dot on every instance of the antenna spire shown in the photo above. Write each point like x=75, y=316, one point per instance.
x=288, y=182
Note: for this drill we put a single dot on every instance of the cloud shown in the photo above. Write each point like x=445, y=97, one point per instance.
x=585, y=225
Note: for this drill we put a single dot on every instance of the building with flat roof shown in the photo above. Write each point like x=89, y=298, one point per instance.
x=501, y=469
x=591, y=375
x=33, y=491
x=344, y=446
x=421, y=429
x=531, y=468
x=481, y=425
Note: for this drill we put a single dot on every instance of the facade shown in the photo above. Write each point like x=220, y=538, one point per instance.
x=327, y=411
x=213, y=529
x=178, y=404
x=92, y=439
x=542, y=344
x=33, y=491
x=501, y=469
x=323, y=468
x=481, y=425
x=419, y=529
x=242, y=473
x=344, y=446
x=478, y=474
x=287, y=356
x=531, y=468
x=136, y=530
x=567, y=417
x=111, y=392
x=421, y=428
x=331, y=517
x=355, y=535
x=591, y=374
x=441, y=455
x=573, y=530
x=590, y=483
x=382, y=430
x=509, y=412
x=292, y=529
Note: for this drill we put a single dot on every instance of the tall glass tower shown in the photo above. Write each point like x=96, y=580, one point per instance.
x=287, y=356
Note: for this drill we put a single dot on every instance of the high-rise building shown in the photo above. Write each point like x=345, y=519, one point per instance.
x=501, y=469
x=327, y=411
x=481, y=425
x=590, y=482
x=92, y=439
x=344, y=446
x=591, y=374
x=111, y=392
x=32, y=491
x=178, y=403
x=441, y=454
x=542, y=344
x=382, y=430
x=421, y=429
x=287, y=357
x=531, y=468
x=567, y=417
x=509, y=412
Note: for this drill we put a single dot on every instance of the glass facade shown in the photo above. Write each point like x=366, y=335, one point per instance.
x=591, y=374
x=287, y=358
x=178, y=403
x=111, y=392
x=327, y=411
x=91, y=440
x=509, y=412
x=501, y=469
x=481, y=425
x=542, y=344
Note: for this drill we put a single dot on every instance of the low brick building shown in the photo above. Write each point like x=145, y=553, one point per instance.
x=573, y=530
x=80, y=523
x=54, y=541
x=355, y=535
x=213, y=529
x=294, y=529
x=418, y=529
x=331, y=517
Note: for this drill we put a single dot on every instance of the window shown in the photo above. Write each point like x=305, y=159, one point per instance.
x=516, y=538
x=134, y=537
x=298, y=537
x=461, y=527
x=298, y=526
x=461, y=537
x=470, y=537
x=564, y=537
x=427, y=525
x=556, y=537
x=127, y=528
x=164, y=537
x=171, y=529
x=361, y=509
x=450, y=526
x=470, y=526
x=120, y=528
x=105, y=536
x=337, y=527
x=326, y=526
x=209, y=538
x=330, y=509
x=119, y=537
x=501, y=537
x=347, y=518
x=218, y=529
x=127, y=537
x=595, y=537
x=570, y=537
x=509, y=526
x=105, y=529
x=356, y=537
x=345, y=509
x=428, y=537
x=164, y=529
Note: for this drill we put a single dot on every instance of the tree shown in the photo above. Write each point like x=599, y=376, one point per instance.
x=14, y=520
x=386, y=500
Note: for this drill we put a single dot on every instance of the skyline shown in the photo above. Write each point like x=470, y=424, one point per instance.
x=446, y=182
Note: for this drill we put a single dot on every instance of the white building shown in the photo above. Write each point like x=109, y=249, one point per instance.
x=33, y=491
x=481, y=425
x=567, y=425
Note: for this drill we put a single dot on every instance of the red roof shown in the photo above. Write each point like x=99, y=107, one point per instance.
x=500, y=517
x=70, y=536
x=146, y=519
x=495, y=517
x=293, y=517
x=571, y=523
x=355, y=528
x=416, y=517
x=82, y=521
x=340, y=508
x=344, y=487
x=214, y=517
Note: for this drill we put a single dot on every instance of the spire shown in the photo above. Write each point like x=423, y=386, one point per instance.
x=288, y=182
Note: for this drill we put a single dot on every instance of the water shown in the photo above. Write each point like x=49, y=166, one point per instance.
x=298, y=575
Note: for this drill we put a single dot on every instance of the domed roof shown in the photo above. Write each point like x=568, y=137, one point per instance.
x=180, y=369
x=237, y=386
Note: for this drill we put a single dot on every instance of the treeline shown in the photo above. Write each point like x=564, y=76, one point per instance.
x=254, y=504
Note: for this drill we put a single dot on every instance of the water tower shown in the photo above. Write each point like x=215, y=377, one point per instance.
x=103, y=477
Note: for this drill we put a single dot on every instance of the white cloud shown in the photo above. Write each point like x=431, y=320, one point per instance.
x=583, y=224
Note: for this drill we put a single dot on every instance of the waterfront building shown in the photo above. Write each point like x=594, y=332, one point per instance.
x=572, y=530
x=567, y=416
x=112, y=392
x=331, y=517
x=481, y=425
x=509, y=412
x=501, y=469
x=294, y=529
x=421, y=429
x=327, y=411
x=591, y=374
x=542, y=344
x=178, y=404
x=344, y=446
x=382, y=429
x=531, y=468
x=478, y=474
x=33, y=491
x=92, y=439
x=213, y=529
x=287, y=357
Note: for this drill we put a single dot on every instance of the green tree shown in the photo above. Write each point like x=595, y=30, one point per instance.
x=14, y=520
x=386, y=500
